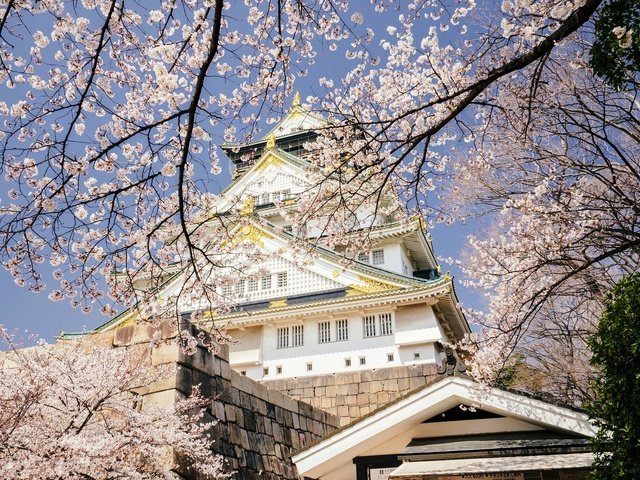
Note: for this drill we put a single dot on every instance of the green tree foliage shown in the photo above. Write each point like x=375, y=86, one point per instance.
x=615, y=54
x=615, y=408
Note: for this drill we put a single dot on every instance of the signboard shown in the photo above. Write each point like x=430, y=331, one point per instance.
x=481, y=476
x=380, y=473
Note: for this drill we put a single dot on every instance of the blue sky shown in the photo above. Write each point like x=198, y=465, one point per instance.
x=35, y=313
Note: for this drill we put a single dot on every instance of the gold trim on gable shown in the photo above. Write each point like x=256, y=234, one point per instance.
x=278, y=303
x=369, y=286
x=267, y=162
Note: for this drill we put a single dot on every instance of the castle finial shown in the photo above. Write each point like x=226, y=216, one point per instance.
x=271, y=141
x=296, y=100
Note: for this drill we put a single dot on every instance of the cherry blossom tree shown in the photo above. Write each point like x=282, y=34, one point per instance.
x=70, y=411
x=115, y=112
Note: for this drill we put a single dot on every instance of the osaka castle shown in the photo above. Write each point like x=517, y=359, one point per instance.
x=385, y=306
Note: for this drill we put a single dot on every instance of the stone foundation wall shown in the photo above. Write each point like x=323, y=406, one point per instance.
x=257, y=428
x=350, y=395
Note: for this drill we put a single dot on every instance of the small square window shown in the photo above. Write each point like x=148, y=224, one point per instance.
x=347, y=362
x=309, y=367
x=282, y=279
x=266, y=282
x=265, y=371
x=279, y=369
x=243, y=372
x=252, y=285
x=363, y=360
x=389, y=357
x=416, y=356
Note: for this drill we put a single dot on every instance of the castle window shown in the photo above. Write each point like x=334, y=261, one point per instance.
x=282, y=279
x=298, y=335
x=283, y=337
x=266, y=282
x=265, y=371
x=369, y=323
x=377, y=325
x=347, y=362
x=252, y=285
x=239, y=288
x=416, y=356
x=389, y=357
x=342, y=330
x=309, y=367
x=290, y=336
x=243, y=372
x=377, y=257
x=363, y=257
x=227, y=290
x=363, y=360
x=324, y=332
x=288, y=228
x=279, y=369
x=385, y=324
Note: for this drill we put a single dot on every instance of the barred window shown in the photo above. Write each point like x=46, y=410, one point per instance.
x=342, y=330
x=283, y=337
x=347, y=362
x=309, y=367
x=377, y=257
x=265, y=370
x=252, y=285
x=298, y=336
x=279, y=369
x=282, y=279
x=369, y=325
x=266, y=282
x=386, y=327
x=324, y=332
x=363, y=257
x=239, y=288
x=227, y=290
x=363, y=360
x=389, y=357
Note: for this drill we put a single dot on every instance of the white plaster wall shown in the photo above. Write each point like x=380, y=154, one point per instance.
x=330, y=357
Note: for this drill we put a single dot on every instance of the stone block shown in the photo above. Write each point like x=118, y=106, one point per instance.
x=375, y=387
x=230, y=412
x=364, y=387
x=218, y=409
x=343, y=411
x=416, y=382
x=390, y=386
x=382, y=398
x=165, y=353
x=354, y=412
x=342, y=389
x=403, y=384
x=320, y=391
x=164, y=398
x=362, y=398
x=249, y=420
x=351, y=400
x=352, y=389
x=331, y=391
x=225, y=370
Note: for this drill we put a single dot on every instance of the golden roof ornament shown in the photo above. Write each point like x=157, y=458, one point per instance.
x=296, y=100
x=248, y=207
x=271, y=141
